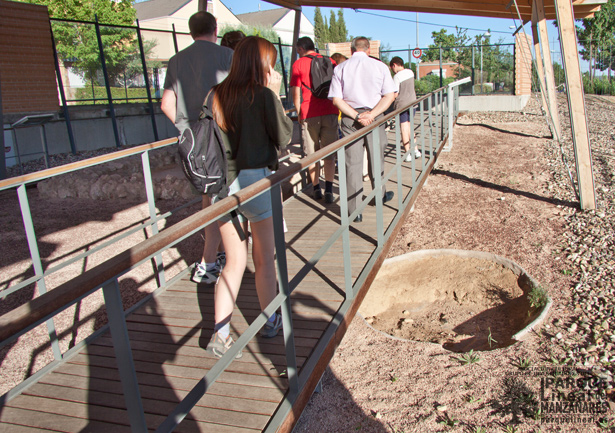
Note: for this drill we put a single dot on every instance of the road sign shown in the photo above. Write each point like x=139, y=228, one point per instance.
x=417, y=52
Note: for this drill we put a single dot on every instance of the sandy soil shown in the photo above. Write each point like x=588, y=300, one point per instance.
x=462, y=303
x=488, y=194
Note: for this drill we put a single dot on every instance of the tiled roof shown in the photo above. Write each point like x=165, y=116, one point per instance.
x=264, y=18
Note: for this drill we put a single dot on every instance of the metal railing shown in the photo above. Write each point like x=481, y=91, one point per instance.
x=433, y=116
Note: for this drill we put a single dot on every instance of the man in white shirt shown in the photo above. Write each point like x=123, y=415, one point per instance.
x=404, y=95
x=362, y=88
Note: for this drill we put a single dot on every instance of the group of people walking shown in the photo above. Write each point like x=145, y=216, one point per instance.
x=247, y=108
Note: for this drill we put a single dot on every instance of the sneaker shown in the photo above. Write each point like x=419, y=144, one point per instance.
x=270, y=330
x=218, y=346
x=221, y=260
x=200, y=274
x=329, y=197
x=417, y=153
x=317, y=194
x=409, y=157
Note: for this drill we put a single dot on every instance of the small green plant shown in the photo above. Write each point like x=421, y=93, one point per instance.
x=606, y=424
x=566, y=272
x=523, y=363
x=479, y=429
x=490, y=339
x=447, y=421
x=511, y=429
x=537, y=415
x=537, y=297
x=467, y=358
x=393, y=378
x=471, y=399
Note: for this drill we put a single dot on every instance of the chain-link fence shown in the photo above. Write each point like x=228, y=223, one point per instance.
x=126, y=50
x=491, y=67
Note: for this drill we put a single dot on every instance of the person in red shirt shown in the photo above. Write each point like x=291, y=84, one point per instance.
x=317, y=117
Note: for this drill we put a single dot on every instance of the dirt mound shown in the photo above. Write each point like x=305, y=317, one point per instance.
x=462, y=303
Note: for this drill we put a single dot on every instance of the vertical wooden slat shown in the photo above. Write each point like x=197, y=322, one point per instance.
x=539, y=66
x=548, y=65
x=576, y=103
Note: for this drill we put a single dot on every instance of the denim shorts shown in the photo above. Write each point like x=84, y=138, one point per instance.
x=257, y=209
x=405, y=115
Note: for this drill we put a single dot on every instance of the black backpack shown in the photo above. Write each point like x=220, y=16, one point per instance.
x=321, y=73
x=202, y=152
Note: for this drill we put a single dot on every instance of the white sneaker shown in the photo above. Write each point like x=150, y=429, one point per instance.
x=200, y=274
x=417, y=154
x=408, y=157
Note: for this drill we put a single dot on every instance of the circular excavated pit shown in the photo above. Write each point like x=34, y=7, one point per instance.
x=462, y=300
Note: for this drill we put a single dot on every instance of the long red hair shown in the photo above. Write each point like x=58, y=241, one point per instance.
x=252, y=59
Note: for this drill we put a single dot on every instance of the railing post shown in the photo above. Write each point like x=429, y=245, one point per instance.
x=175, y=39
x=123, y=356
x=451, y=102
x=283, y=71
x=376, y=156
x=69, y=128
x=36, y=263
x=287, y=319
x=414, y=144
x=103, y=64
x=146, y=77
x=399, y=158
x=341, y=166
x=429, y=109
x=151, y=201
x=422, y=121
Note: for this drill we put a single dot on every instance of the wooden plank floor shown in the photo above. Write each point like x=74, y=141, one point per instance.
x=168, y=336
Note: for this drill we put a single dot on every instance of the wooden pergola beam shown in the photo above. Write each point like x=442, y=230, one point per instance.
x=539, y=66
x=548, y=68
x=576, y=103
x=483, y=8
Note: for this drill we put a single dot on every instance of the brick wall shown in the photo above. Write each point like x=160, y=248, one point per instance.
x=523, y=65
x=27, y=73
x=344, y=48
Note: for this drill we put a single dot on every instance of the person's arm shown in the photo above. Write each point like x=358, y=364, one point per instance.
x=296, y=95
x=368, y=117
x=167, y=105
x=344, y=107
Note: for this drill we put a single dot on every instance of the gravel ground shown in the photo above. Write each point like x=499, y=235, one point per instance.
x=487, y=195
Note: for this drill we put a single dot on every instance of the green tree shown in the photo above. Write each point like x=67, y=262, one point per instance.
x=333, y=29
x=320, y=29
x=596, y=37
x=341, y=26
x=77, y=43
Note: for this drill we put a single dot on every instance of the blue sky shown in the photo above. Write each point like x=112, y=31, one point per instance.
x=398, y=29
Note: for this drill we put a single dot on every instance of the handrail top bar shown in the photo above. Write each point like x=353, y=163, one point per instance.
x=66, y=168
x=63, y=295
x=460, y=82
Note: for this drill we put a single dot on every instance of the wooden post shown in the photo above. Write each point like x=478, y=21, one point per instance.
x=539, y=67
x=293, y=54
x=576, y=103
x=548, y=65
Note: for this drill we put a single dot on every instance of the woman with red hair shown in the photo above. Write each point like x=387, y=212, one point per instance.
x=247, y=108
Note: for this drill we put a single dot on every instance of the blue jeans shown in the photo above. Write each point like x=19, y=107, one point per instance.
x=257, y=209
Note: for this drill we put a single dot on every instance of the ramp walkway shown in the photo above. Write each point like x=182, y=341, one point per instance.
x=148, y=370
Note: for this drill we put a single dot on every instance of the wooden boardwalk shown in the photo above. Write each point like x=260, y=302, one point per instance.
x=169, y=333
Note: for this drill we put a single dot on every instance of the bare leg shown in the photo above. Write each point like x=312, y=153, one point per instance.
x=405, y=135
x=232, y=274
x=264, y=264
x=314, y=173
x=212, y=238
x=329, y=165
